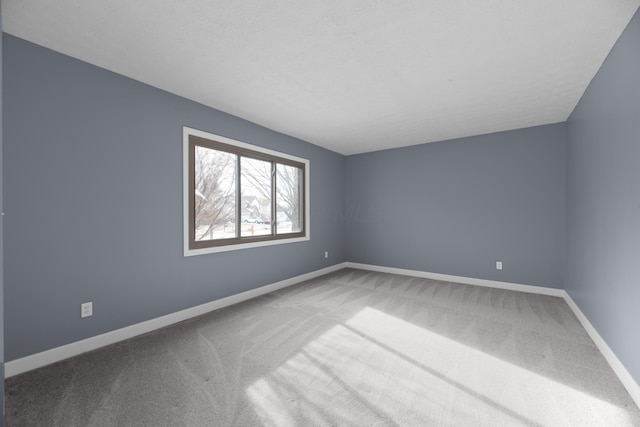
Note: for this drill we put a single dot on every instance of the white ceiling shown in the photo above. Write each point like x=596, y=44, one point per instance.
x=352, y=75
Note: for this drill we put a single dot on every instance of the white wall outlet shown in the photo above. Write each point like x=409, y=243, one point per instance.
x=86, y=309
x=498, y=265
x=326, y=254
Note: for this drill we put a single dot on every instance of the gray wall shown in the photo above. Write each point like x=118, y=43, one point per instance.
x=93, y=202
x=457, y=207
x=603, y=200
x=1, y=243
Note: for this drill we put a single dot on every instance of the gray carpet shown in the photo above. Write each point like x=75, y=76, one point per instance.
x=352, y=348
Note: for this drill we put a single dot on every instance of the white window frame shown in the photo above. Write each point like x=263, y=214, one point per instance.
x=186, y=132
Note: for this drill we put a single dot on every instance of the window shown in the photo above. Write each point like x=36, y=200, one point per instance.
x=239, y=195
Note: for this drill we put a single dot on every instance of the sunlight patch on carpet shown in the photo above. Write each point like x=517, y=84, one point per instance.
x=376, y=367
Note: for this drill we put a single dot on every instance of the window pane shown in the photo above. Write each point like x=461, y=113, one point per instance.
x=215, y=194
x=288, y=199
x=255, y=185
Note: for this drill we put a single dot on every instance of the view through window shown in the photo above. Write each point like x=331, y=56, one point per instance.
x=239, y=194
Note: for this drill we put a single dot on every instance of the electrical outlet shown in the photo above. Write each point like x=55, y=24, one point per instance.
x=498, y=265
x=86, y=309
x=326, y=254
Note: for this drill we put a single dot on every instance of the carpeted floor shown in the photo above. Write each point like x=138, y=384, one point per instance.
x=352, y=348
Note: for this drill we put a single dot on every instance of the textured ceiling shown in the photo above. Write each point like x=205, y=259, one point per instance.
x=351, y=75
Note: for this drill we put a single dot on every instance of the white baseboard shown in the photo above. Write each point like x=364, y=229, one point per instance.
x=625, y=377
x=57, y=354
x=460, y=279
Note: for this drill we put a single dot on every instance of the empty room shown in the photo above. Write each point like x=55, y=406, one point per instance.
x=335, y=213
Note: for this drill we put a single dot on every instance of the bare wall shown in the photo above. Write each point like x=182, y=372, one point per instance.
x=603, y=200
x=93, y=202
x=456, y=207
x=1, y=241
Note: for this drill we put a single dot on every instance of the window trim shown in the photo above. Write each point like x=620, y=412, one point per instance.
x=254, y=152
